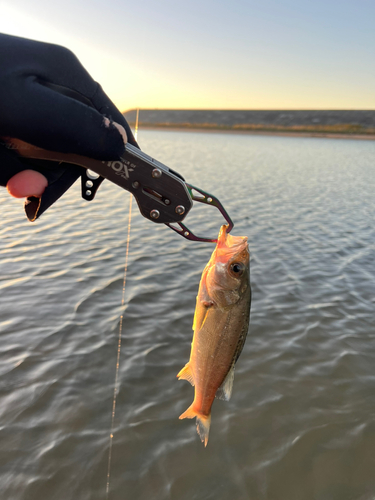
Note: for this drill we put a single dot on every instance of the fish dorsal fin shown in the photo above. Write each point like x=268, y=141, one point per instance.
x=186, y=374
x=225, y=390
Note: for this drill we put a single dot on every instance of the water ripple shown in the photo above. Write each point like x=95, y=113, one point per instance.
x=300, y=421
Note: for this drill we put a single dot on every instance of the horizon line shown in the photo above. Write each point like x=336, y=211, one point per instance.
x=249, y=109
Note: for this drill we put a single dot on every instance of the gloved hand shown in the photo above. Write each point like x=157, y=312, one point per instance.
x=48, y=99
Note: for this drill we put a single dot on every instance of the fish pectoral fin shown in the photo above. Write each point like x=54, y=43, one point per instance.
x=203, y=422
x=186, y=374
x=199, y=317
x=224, y=392
x=204, y=303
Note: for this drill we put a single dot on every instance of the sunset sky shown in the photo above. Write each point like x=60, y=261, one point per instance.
x=207, y=54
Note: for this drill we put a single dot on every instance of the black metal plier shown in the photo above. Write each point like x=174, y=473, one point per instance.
x=162, y=194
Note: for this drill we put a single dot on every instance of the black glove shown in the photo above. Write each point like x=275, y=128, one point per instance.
x=48, y=99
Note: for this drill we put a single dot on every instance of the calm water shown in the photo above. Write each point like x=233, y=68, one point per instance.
x=301, y=421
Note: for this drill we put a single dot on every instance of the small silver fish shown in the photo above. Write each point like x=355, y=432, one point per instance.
x=221, y=322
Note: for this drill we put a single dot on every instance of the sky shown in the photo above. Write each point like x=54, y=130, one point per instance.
x=213, y=54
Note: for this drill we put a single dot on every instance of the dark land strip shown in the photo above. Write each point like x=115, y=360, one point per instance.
x=315, y=123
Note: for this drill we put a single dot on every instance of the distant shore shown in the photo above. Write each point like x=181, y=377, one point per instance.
x=279, y=131
x=336, y=124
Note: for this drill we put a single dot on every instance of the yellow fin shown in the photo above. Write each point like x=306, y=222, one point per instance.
x=189, y=413
x=203, y=422
x=185, y=374
x=203, y=304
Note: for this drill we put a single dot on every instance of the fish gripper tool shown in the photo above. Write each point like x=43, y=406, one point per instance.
x=161, y=193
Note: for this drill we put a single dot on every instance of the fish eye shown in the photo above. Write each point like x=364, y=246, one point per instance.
x=237, y=269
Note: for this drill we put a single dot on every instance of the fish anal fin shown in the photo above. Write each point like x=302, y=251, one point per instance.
x=224, y=392
x=203, y=422
x=186, y=374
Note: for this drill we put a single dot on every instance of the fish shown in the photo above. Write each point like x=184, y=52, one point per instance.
x=221, y=323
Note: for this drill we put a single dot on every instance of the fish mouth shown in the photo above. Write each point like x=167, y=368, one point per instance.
x=226, y=240
x=230, y=246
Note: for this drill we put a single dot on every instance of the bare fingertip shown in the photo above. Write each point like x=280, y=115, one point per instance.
x=27, y=183
x=122, y=131
x=120, y=128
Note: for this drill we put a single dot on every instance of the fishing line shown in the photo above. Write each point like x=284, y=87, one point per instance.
x=119, y=339
x=115, y=390
x=136, y=125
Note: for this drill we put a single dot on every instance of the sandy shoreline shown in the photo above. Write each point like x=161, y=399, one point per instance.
x=324, y=135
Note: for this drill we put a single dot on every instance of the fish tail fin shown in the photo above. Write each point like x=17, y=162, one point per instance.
x=203, y=427
x=203, y=422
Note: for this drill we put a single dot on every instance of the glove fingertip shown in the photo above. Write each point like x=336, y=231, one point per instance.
x=32, y=205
